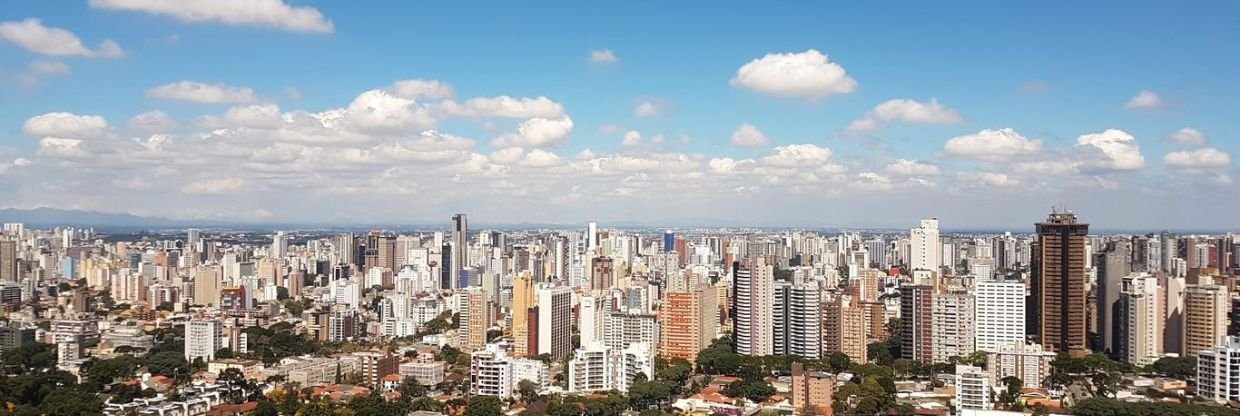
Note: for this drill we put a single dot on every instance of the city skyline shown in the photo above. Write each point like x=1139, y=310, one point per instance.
x=856, y=115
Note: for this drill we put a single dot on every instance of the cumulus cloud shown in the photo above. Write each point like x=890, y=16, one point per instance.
x=992, y=145
x=797, y=155
x=538, y=132
x=507, y=155
x=261, y=13
x=215, y=186
x=1109, y=151
x=202, y=93
x=647, y=109
x=1187, y=136
x=33, y=36
x=151, y=122
x=631, y=139
x=987, y=179
x=906, y=167
x=420, y=88
x=1204, y=158
x=904, y=110
x=539, y=158
x=806, y=74
x=378, y=111
x=603, y=56
x=1144, y=100
x=506, y=107
x=749, y=136
x=66, y=125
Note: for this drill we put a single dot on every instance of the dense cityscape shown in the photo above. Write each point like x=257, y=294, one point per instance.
x=639, y=208
x=604, y=321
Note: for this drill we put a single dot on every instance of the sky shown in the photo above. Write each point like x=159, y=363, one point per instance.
x=873, y=114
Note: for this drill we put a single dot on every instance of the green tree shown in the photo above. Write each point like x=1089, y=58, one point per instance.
x=1178, y=367
x=1011, y=390
x=484, y=406
x=839, y=361
x=645, y=395
x=527, y=391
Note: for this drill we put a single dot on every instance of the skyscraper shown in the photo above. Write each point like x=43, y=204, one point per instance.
x=279, y=245
x=8, y=261
x=797, y=320
x=555, y=320
x=1205, y=317
x=926, y=251
x=669, y=241
x=1058, y=284
x=1140, y=320
x=753, y=281
x=460, y=253
x=951, y=325
x=916, y=324
x=202, y=339
x=687, y=321
x=999, y=314
x=522, y=301
x=476, y=317
x=1113, y=264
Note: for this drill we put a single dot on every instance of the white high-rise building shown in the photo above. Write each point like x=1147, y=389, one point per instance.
x=1140, y=320
x=753, y=327
x=797, y=320
x=972, y=388
x=598, y=367
x=203, y=337
x=624, y=329
x=555, y=320
x=592, y=313
x=926, y=251
x=999, y=314
x=490, y=372
x=279, y=245
x=1218, y=371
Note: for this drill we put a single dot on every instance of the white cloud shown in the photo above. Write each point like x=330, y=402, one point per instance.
x=1144, y=100
x=1204, y=158
x=537, y=132
x=797, y=155
x=647, y=109
x=505, y=106
x=202, y=93
x=378, y=111
x=151, y=122
x=727, y=165
x=48, y=68
x=1111, y=150
x=749, y=136
x=507, y=155
x=631, y=138
x=61, y=148
x=215, y=186
x=32, y=35
x=603, y=56
x=1187, y=136
x=67, y=125
x=807, y=74
x=987, y=179
x=992, y=145
x=420, y=88
x=904, y=110
x=263, y=13
x=539, y=158
x=906, y=167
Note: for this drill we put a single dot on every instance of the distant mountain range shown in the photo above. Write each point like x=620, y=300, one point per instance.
x=52, y=217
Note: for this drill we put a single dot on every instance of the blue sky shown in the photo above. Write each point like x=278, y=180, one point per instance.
x=1050, y=71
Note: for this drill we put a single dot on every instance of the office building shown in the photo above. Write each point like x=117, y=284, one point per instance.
x=522, y=303
x=203, y=337
x=1112, y=264
x=999, y=313
x=924, y=246
x=555, y=320
x=1058, y=285
x=460, y=253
